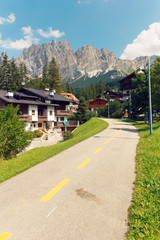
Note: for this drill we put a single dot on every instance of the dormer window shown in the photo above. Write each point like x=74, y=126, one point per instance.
x=47, y=101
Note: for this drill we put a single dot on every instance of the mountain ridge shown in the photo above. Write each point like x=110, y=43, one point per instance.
x=86, y=62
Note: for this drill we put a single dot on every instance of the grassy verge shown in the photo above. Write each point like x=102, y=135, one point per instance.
x=144, y=212
x=29, y=159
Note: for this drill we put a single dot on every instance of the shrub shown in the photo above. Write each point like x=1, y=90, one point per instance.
x=91, y=115
x=67, y=135
x=71, y=117
x=34, y=134
x=13, y=137
x=37, y=133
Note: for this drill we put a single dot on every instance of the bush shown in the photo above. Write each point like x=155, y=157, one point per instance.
x=37, y=133
x=115, y=110
x=67, y=135
x=34, y=134
x=13, y=137
x=71, y=117
x=91, y=115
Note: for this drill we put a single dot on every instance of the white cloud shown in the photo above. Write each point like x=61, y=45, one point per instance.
x=50, y=33
x=10, y=19
x=27, y=31
x=147, y=43
x=24, y=42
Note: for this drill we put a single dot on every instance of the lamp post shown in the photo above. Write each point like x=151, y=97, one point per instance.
x=130, y=105
x=108, y=110
x=149, y=91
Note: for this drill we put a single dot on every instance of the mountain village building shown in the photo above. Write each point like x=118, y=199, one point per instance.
x=126, y=86
x=40, y=109
x=73, y=106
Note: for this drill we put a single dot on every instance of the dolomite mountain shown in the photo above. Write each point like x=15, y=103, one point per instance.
x=85, y=62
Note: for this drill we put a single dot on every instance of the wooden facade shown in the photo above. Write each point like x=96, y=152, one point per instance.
x=97, y=103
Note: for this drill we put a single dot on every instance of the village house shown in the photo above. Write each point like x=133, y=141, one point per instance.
x=102, y=102
x=97, y=103
x=40, y=109
x=127, y=86
x=73, y=105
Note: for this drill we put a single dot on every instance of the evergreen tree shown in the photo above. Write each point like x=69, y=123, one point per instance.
x=82, y=110
x=140, y=96
x=155, y=84
x=100, y=88
x=15, y=79
x=5, y=74
x=93, y=91
x=45, y=82
x=68, y=88
x=54, y=77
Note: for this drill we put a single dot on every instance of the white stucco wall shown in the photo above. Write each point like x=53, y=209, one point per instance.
x=33, y=107
x=50, y=117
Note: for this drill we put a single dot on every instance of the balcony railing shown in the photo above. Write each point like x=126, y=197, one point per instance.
x=63, y=113
x=42, y=118
x=70, y=123
x=25, y=118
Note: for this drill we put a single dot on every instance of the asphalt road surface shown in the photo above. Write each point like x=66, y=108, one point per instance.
x=82, y=193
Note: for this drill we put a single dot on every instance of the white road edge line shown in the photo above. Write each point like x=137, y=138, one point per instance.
x=51, y=212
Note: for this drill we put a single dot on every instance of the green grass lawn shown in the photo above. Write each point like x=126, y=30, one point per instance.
x=144, y=213
x=14, y=166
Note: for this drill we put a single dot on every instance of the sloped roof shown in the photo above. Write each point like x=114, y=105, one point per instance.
x=98, y=100
x=21, y=101
x=46, y=94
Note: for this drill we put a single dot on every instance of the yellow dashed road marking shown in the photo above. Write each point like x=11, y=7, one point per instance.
x=99, y=149
x=84, y=163
x=5, y=236
x=54, y=190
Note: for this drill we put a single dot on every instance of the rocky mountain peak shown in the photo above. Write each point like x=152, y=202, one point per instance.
x=86, y=61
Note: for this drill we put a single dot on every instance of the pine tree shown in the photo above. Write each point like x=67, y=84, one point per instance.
x=54, y=77
x=5, y=74
x=45, y=82
x=68, y=88
x=155, y=82
x=82, y=110
x=15, y=78
x=100, y=88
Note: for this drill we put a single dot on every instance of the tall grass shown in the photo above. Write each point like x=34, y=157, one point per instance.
x=144, y=213
x=29, y=159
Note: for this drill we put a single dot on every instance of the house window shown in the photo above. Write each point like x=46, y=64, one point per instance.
x=50, y=113
x=47, y=101
x=62, y=119
x=33, y=112
x=20, y=112
x=39, y=125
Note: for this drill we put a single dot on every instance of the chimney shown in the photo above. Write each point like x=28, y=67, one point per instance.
x=9, y=94
x=46, y=89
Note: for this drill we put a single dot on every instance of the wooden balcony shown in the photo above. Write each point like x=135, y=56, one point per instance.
x=25, y=118
x=70, y=123
x=42, y=118
x=63, y=113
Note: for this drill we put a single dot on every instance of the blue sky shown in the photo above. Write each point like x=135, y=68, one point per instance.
x=129, y=28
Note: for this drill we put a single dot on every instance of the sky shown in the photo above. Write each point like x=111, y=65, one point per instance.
x=128, y=28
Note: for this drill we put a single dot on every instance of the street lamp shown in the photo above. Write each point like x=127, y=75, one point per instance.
x=108, y=110
x=149, y=90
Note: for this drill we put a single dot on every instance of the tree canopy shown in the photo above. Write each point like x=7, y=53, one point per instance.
x=11, y=76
